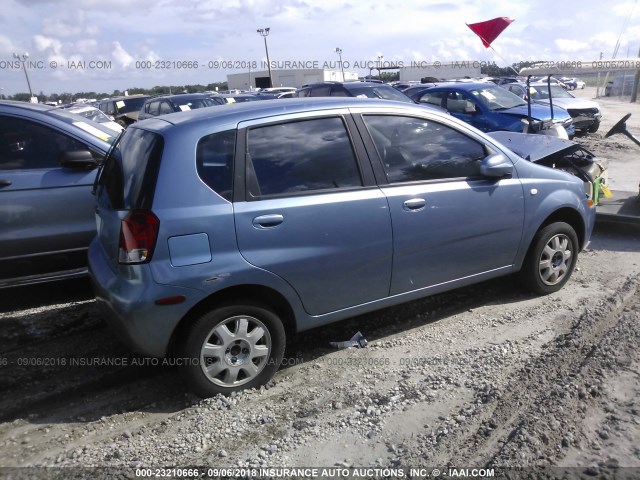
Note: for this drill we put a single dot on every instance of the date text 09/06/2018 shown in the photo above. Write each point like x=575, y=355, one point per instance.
x=297, y=64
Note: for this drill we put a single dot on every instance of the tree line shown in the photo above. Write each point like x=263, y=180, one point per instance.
x=67, y=97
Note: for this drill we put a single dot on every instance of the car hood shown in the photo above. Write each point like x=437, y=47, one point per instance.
x=539, y=112
x=573, y=103
x=532, y=147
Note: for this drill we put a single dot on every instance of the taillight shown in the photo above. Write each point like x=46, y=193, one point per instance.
x=138, y=236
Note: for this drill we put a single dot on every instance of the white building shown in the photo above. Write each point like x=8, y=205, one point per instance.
x=419, y=70
x=286, y=78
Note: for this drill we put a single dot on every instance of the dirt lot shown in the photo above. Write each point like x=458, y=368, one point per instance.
x=481, y=377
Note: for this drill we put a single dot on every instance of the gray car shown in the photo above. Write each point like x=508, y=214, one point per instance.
x=221, y=232
x=48, y=160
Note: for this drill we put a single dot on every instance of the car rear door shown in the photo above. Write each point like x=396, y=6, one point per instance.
x=311, y=213
x=449, y=222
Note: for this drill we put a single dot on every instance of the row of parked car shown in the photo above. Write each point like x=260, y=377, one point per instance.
x=214, y=233
x=128, y=109
x=480, y=104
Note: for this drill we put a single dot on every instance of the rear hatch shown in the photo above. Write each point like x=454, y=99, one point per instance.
x=126, y=186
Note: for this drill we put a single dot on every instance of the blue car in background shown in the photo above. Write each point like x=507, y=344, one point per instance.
x=48, y=163
x=491, y=108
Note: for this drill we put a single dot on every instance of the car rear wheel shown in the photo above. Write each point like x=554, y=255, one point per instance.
x=551, y=259
x=233, y=348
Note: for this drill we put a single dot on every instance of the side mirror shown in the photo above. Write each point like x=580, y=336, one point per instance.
x=496, y=165
x=78, y=159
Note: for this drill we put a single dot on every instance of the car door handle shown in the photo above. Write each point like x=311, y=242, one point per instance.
x=414, y=204
x=5, y=183
x=268, y=221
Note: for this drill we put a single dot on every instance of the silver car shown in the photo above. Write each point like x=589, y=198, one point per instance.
x=221, y=232
x=585, y=113
x=48, y=160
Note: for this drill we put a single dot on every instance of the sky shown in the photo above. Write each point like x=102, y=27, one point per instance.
x=104, y=45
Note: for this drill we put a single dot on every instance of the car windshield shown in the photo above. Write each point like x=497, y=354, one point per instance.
x=542, y=93
x=130, y=104
x=497, y=98
x=92, y=114
x=191, y=103
x=380, y=91
x=93, y=128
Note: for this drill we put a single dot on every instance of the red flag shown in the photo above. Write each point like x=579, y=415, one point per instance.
x=488, y=31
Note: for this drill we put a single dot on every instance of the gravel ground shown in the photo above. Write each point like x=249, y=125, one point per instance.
x=481, y=377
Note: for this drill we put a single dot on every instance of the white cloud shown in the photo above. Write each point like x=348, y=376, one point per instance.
x=121, y=55
x=626, y=9
x=47, y=44
x=569, y=45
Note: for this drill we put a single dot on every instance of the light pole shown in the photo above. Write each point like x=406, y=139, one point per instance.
x=380, y=57
x=264, y=33
x=338, y=50
x=23, y=58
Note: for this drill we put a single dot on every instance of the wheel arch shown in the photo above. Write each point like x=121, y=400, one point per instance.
x=257, y=294
x=570, y=216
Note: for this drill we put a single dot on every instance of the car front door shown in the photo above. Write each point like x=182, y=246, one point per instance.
x=312, y=213
x=46, y=210
x=449, y=222
x=467, y=109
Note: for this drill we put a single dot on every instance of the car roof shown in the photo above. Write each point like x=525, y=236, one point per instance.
x=180, y=96
x=245, y=111
x=349, y=85
x=355, y=83
x=62, y=119
x=463, y=86
x=122, y=97
x=39, y=107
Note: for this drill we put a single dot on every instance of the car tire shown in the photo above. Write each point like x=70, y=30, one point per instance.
x=551, y=259
x=234, y=347
x=594, y=127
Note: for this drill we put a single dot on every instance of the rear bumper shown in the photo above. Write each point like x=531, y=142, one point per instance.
x=127, y=301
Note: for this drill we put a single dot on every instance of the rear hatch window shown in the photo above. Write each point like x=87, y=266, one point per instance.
x=128, y=179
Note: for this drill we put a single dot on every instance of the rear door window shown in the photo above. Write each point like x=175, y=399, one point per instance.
x=165, y=108
x=433, y=98
x=301, y=156
x=321, y=91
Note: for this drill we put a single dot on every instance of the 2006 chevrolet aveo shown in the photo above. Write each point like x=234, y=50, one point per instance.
x=219, y=232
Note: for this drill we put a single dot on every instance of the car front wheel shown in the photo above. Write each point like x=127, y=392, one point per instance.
x=233, y=348
x=594, y=127
x=551, y=259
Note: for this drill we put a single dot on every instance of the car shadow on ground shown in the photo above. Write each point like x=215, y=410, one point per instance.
x=64, y=364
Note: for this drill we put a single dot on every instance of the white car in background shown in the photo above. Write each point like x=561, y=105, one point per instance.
x=96, y=115
x=573, y=83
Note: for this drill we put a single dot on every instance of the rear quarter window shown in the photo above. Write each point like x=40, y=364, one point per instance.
x=214, y=161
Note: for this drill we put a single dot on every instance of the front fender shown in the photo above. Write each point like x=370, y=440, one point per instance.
x=554, y=199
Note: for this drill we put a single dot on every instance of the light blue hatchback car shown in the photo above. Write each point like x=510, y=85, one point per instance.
x=220, y=232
